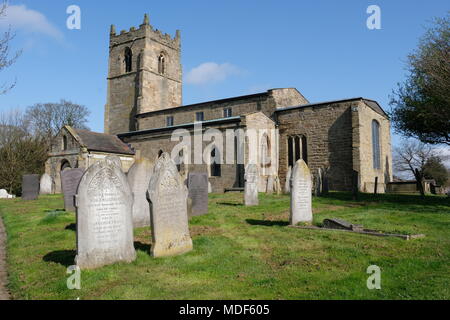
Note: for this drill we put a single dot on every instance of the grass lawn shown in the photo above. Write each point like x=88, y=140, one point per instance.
x=245, y=253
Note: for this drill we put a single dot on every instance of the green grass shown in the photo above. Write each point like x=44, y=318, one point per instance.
x=245, y=253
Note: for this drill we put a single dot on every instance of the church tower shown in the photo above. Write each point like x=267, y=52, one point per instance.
x=144, y=75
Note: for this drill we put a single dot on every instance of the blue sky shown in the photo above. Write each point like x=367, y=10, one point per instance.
x=322, y=48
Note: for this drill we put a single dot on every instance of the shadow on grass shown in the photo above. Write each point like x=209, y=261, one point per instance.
x=63, y=257
x=72, y=226
x=142, y=247
x=267, y=223
x=232, y=204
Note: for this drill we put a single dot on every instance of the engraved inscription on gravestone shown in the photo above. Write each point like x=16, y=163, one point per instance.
x=198, y=192
x=167, y=195
x=301, y=198
x=30, y=187
x=104, y=218
x=70, y=179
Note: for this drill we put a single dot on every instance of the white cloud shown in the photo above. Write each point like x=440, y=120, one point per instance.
x=211, y=72
x=30, y=21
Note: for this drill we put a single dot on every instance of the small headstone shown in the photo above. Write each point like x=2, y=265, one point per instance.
x=70, y=179
x=287, y=185
x=251, y=185
x=270, y=185
x=301, y=188
x=319, y=183
x=46, y=184
x=209, y=187
x=198, y=192
x=30, y=187
x=104, y=219
x=168, y=195
x=139, y=177
x=277, y=185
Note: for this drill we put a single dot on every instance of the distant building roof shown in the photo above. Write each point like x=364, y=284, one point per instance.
x=101, y=142
x=371, y=103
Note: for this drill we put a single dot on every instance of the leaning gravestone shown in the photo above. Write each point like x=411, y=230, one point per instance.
x=301, y=184
x=30, y=187
x=168, y=195
x=46, y=184
x=138, y=177
x=287, y=185
x=251, y=185
x=70, y=179
x=198, y=192
x=104, y=219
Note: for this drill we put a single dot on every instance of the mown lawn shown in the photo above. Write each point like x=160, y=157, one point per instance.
x=245, y=253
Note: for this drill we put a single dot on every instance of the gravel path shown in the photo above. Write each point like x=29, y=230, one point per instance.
x=4, y=295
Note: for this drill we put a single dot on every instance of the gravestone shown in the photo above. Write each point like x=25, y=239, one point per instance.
x=198, y=193
x=168, y=195
x=277, y=185
x=209, y=187
x=319, y=183
x=342, y=225
x=4, y=194
x=287, y=185
x=251, y=185
x=46, y=184
x=30, y=187
x=70, y=179
x=301, y=185
x=270, y=184
x=325, y=184
x=139, y=177
x=104, y=218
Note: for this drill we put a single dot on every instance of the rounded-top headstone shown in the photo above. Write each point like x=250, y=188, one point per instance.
x=104, y=220
x=139, y=177
x=46, y=185
x=167, y=195
x=301, y=197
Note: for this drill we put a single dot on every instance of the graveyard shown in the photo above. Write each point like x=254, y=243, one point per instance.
x=244, y=252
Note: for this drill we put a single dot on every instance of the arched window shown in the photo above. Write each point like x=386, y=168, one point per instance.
x=216, y=170
x=64, y=143
x=376, y=145
x=128, y=60
x=297, y=149
x=161, y=64
x=65, y=165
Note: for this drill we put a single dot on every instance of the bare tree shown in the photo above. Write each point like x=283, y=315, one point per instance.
x=411, y=157
x=46, y=119
x=6, y=59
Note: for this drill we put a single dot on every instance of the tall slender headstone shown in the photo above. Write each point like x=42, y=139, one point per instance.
x=139, y=177
x=287, y=185
x=70, y=179
x=301, y=199
x=198, y=193
x=104, y=219
x=319, y=183
x=46, y=184
x=168, y=195
x=277, y=185
x=251, y=185
x=30, y=187
x=325, y=183
x=270, y=185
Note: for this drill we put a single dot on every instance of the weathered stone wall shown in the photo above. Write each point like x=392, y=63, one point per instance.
x=145, y=88
x=365, y=166
x=328, y=130
x=265, y=103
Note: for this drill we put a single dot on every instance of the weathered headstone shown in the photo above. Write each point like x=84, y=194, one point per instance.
x=319, y=183
x=104, y=218
x=30, y=187
x=167, y=195
x=70, y=179
x=277, y=185
x=287, y=185
x=139, y=177
x=198, y=192
x=270, y=185
x=209, y=187
x=251, y=185
x=325, y=184
x=301, y=188
x=46, y=184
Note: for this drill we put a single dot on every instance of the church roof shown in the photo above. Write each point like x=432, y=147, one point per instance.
x=371, y=103
x=101, y=142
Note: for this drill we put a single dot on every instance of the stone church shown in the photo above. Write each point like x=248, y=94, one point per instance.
x=144, y=108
